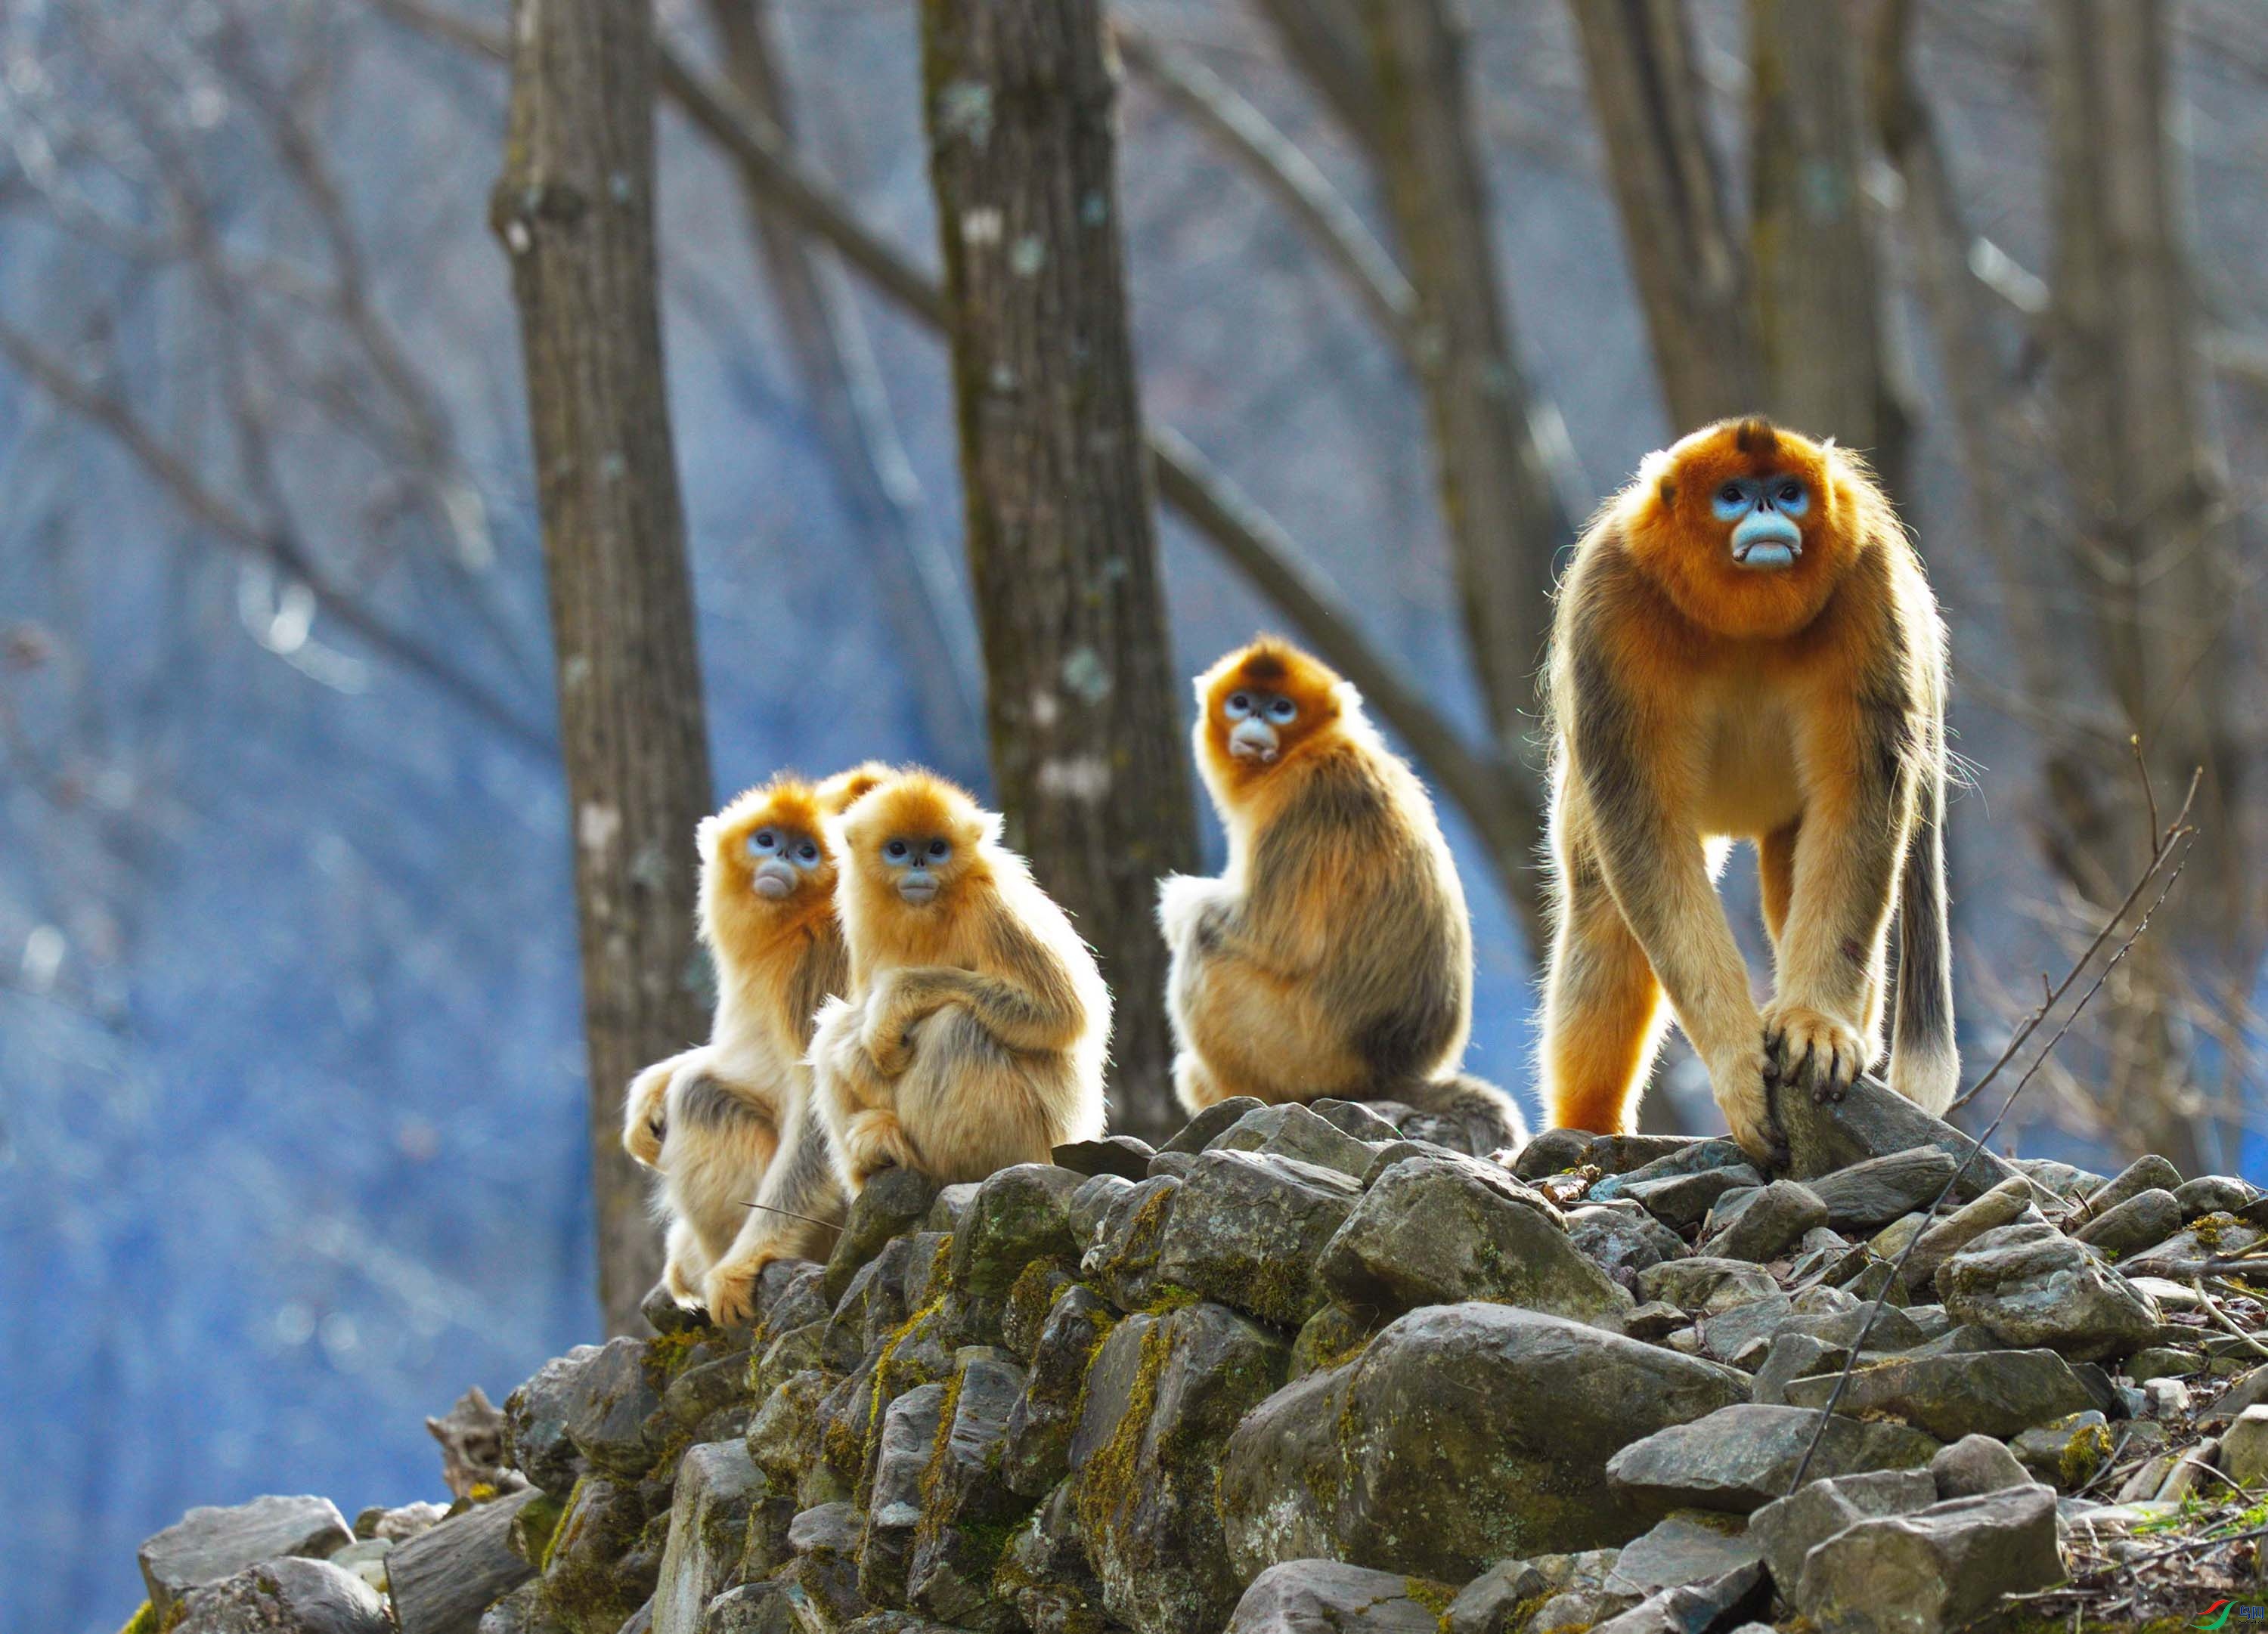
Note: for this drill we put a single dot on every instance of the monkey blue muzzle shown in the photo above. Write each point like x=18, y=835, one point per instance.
x=1762, y=510
x=919, y=885
x=1252, y=739
x=774, y=880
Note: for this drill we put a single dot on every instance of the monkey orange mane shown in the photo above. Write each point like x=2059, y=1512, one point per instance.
x=1672, y=531
x=840, y=793
x=881, y=927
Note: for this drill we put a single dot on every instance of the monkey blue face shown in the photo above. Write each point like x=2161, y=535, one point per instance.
x=914, y=861
x=1762, y=512
x=783, y=858
x=1255, y=722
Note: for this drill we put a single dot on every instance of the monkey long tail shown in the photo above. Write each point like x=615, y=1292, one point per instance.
x=1489, y=1117
x=1922, y=1026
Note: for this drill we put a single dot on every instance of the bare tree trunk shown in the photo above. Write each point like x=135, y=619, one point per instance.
x=575, y=210
x=1084, y=702
x=1505, y=520
x=1647, y=95
x=828, y=344
x=1819, y=303
x=2148, y=547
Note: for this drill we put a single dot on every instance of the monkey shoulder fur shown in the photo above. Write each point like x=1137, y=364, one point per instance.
x=975, y=1033
x=727, y=1123
x=1334, y=956
x=1745, y=647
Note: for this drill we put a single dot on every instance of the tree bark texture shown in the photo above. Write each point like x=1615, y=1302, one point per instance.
x=1819, y=302
x=1504, y=518
x=1084, y=700
x=1648, y=98
x=575, y=208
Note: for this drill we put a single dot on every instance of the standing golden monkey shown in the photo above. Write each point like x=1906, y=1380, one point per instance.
x=1745, y=647
x=977, y=1027
x=1334, y=956
x=710, y=1119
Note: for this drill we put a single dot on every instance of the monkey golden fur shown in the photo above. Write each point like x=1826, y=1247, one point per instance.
x=712, y=1119
x=975, y=1029
x=1333, y=955
x=1745, y=647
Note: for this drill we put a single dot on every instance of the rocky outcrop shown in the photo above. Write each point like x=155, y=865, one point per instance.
x=1304, y=1369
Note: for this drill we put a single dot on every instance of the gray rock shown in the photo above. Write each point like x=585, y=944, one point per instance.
x=2001, y=1206
x=951, y=1202
x=893, y=1506
x=1249, y=1226
x=602, y=1564
x=1975, y=1465
x=1768, y=1225
x=613, y=1411
x=1683, y=1201
x=1357, y=1118
x=2215, y=1194
x=1293, y=1131
x=967, y=1505
x=1036, y=1454
x=442, y=1579
x=1680, y=1157
x=1793, y=1355
x=1690, y=1546
x=285, y=1596
x=1091, y=1203
x=1122, y=1258
x=2148, y=1172
x=1200, y=1131
x=210, y=1544
x=1176, y=1164
x=366, y=1558
x=665, y=1316
x=752, y=1608
x=1552, y=1151
x=2244, y=1448
x=2185, y=1254
x=1742, y=1457
x=1462, y=1434
x=1044, y=1572
x=1116, y=1155
x=1162, y=1397
x=1874, y=1120
x=1019, y=1215
x=1326, y=1597
x=2002, y=1393
x=2066, y=1455
x=1730, y=1334
x=1788, y=1528
x=519, y=1612
x=1440, y=1230
x=1621, y=1239
x=405, y=1520
x=894, y=1201
x=2142, y=1221
x=1872, y=1194
x=717, y=1484
x=1937, y=1570
x=2032, y=1287
x=1705, y=1284
x=1513, y=1595
x=1697, y=1607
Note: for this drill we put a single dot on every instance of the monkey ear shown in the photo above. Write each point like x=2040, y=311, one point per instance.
x=989, y=829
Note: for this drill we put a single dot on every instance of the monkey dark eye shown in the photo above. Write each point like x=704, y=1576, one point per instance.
x=1790, y=493
x=809, y=852
x=895, y=850
x=1239, y=705
x=937, y=848
x=1730, y=494
x=766, y=840
x=1282, y=709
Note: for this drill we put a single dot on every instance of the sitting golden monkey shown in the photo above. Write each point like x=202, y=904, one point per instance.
x=975, y=1030
x=1334, y=956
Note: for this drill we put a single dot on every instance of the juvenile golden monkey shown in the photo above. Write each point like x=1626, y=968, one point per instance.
x=710, y=1119
x=1334, y=956
x=1745, y=647
x=975, y=1033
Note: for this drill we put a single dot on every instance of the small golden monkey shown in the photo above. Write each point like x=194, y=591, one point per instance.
x=710, y=1119
x=1334, y=956
x=975, y=1034
x=1745, y=647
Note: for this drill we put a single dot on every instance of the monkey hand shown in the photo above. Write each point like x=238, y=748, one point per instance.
x=872, y=1141
x=1736, y=1078
x=1811, y=1050
x=644, y=1120
x=729, y=1290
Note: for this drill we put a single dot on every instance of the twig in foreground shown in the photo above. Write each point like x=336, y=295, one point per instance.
x=791, y=1214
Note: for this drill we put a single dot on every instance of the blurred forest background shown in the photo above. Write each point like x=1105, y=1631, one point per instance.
x=298, y=1104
